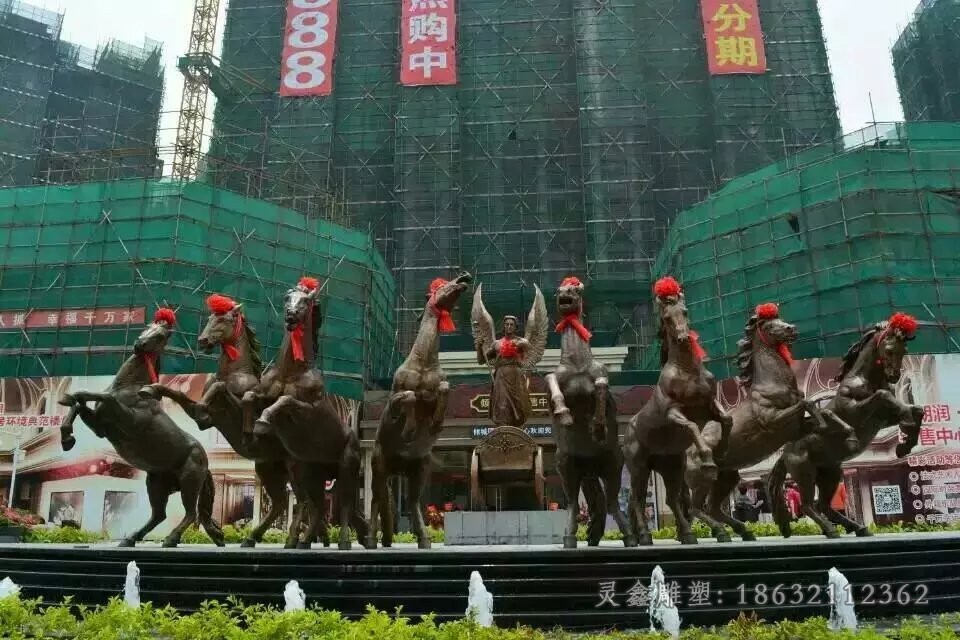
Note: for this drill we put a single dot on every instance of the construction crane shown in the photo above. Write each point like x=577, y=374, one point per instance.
x=193, y=104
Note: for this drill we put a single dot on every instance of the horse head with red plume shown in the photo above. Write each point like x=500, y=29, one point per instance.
x=674, y=319
x=302, y=316
x=765, y=327
x=442, y=297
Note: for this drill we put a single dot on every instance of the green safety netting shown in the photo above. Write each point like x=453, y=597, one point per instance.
x=147, y=243
x=839, y=238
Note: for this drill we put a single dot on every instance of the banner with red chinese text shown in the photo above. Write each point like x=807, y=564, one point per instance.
x=428, y=30
x=309, y=43
x=734, y=37
x=48, y=319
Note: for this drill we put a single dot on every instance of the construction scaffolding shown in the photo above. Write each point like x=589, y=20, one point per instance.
x=574, y=135
x=68, y=113
x=89, y=250
x=840, y=236
x=926, y=57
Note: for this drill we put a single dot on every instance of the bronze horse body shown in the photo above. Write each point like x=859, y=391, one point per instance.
x=413, y=418
x=682, y=414
x=239, y=371
x=585, y=426
x=148, y=439
x=302, y=418
x=866, y=400
x=772, y=414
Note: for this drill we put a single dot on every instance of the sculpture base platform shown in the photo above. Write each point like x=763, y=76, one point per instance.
x=504, y=527
x=541, y=586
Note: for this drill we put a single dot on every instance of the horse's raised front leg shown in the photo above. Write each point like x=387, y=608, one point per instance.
x=601, y=389
x=443, y=395
x=273, y=414
x=404, y=403
x=677, y=419
x=561, y=414
x=194, y=410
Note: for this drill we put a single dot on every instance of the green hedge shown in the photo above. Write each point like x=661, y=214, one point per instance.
x=233, y=535
x=232, y=621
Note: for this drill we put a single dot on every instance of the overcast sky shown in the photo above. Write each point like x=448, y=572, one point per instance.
x=859, y=35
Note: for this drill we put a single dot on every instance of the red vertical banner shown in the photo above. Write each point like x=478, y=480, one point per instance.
x=428, y=33
x=734, y=37
x=309, y=42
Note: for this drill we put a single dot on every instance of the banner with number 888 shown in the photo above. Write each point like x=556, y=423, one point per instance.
x=308, y=47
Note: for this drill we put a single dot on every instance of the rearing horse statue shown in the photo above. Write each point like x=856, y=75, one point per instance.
x=683, y=413
x=147, y=439
x=585, y=426
x=866, y=400
x=239, y=371
x=773, y=413
x=413, y=418
x=302, y=418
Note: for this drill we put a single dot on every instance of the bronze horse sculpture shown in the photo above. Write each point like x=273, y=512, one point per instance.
x=238, y=371
x=585, y=426
x=413, y=418
x=866, y=400
x=302, y=418
x=683, y=405
x=772, y=414
x=147, y=438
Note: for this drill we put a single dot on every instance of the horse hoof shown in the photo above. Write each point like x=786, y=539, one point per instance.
x=786, y=533
x=249, y=543
x=345, y=545
x=863, y=532
x=629, y=542
x=424, y=544
x=170, y=544
x=687, y=538
x=748, y=536
x=67, y=400
x=593, y=542
x=723, y=537
x=644, y=540
x=290, y=545
x=68, y=443
x=326, y=544
x=564, y=417
x=303, y=545
x=903, y=450
x=833, y=534
x=369, y=542
x=127, y=543
x=148, y=393
x=569, y=542
x=220, y=542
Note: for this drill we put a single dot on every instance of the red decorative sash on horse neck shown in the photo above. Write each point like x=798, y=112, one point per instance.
x=444, y=320
x=782, y=348
x=573, y=320
x=296, y=338
x=230, y=348
x=150, y=361
x=698, y=352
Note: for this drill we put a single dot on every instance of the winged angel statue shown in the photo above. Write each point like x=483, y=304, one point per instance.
x=510, y=358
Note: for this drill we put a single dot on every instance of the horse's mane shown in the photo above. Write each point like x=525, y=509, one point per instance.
x=254, y=346
x=850, y=358
x=745, y=351
x=316, y=319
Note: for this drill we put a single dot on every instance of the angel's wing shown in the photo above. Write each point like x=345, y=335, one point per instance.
x=536, y=330
x=484, y=332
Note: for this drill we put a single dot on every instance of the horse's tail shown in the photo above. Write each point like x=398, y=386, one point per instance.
x=208, y=493
x=778, y=504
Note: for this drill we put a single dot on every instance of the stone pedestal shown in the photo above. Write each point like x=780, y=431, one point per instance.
x=503, y=527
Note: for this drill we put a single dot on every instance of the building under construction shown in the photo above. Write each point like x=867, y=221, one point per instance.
x=572, y=136
x=840, y=240
x=68, y=113
x=926, y=57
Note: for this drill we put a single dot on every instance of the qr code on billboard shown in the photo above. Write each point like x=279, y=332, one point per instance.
x=886, y=500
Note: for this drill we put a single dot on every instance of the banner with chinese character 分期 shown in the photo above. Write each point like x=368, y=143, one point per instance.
x=734, y=37
x=428, y=31
x=309, y=41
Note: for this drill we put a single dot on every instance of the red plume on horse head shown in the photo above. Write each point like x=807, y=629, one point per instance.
x=309, y=283
x=220, y=305
x=435, y=285
x=768, y=311
x=571, y=281
x=666, y=287
x=166, y=316
x=905, y=324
